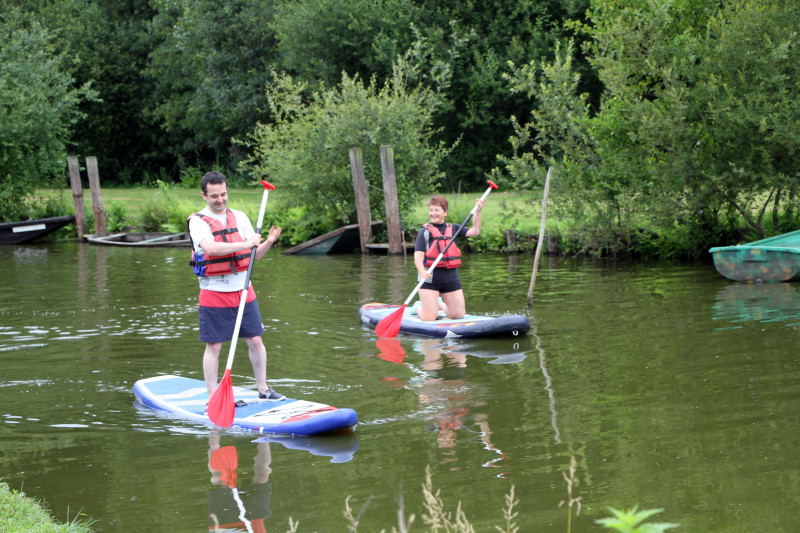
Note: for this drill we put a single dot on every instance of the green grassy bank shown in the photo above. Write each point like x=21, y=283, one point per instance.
x=20, y=513
x=166, y=209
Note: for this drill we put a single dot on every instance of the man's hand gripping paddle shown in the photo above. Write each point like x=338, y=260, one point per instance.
x=390, y=326
x=222, y=405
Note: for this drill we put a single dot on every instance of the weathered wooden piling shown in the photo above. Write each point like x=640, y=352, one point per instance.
x=362, y=197
x=77, y=195
x=97, y=196
x=393, y=225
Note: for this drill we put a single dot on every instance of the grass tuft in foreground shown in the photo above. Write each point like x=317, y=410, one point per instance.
x=20, y=513
x=436, y=517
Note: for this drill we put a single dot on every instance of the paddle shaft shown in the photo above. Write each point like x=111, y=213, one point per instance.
x=240, y=312
x=452, y=240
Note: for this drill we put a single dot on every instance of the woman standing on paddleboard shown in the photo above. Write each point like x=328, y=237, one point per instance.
x=444, y=281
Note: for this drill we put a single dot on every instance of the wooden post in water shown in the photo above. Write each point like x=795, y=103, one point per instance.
x=77, y=195
x=541, y=237
x=390, y=198
x=97, y=196
x=362, y=197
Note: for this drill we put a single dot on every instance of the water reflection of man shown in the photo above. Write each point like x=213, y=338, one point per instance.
x=446, y=386
x=231, y=509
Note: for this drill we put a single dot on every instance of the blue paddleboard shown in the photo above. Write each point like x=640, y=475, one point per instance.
x=469, y=327
x=187, y=398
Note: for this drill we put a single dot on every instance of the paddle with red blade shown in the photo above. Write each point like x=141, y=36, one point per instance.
x=222, y=405
x=225, y=460
x=390, y=325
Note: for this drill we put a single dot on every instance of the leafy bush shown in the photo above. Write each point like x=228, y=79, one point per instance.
x=116, y=217
x=305, y=151
x=163, y=212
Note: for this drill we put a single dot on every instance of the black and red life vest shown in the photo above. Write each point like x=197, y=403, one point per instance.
x=452, y=258
x=224, y=264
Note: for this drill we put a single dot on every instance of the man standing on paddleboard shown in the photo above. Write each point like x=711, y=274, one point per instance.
x=432, y=241
x=222, y=239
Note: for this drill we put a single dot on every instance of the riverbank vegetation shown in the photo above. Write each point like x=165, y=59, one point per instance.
x=20, y=513
x=670, y=127
x=166, y=208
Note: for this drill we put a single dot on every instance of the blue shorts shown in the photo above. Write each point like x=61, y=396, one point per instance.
x=217, y=323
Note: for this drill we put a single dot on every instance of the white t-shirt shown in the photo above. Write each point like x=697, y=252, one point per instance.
x=200, y=231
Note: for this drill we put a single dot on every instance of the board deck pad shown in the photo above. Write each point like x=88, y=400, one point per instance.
x=469, y=327
x=187, y=398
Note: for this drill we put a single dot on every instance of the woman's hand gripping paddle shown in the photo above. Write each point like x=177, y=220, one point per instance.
x=222, y=405
x=390, y=326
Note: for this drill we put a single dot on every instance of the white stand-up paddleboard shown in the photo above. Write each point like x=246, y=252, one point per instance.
x=187, y=398
x=469, y=327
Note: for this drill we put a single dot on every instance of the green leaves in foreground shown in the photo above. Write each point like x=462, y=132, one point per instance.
x=628, y=521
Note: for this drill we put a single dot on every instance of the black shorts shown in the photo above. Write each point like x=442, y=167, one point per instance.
x=442, y=287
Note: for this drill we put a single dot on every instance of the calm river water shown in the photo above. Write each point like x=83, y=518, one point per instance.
x=670, y=386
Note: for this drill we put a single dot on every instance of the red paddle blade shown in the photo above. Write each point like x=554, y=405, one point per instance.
x=391, y=350
x=225, y=460
x=221, y=406
x=390, y=326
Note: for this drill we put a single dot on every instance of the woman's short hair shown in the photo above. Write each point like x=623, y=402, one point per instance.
x=441, y=201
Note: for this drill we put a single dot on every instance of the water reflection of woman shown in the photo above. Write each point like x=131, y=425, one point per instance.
x=447, y=388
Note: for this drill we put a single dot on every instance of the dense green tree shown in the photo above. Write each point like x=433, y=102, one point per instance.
x=703, y=102
x=114, y=46
x=105, y=43
x=38, y=106
x=481, y=102
x=696, y=128
x=210, y=63
x=320, y=39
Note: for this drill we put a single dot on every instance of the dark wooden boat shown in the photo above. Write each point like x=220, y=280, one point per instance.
x=342, y=240
x=141, y=239
x=29, y=230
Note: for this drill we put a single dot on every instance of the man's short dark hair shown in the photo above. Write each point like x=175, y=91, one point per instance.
x=214, y=178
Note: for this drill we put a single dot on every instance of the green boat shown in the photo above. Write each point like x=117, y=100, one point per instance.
x=773, y=259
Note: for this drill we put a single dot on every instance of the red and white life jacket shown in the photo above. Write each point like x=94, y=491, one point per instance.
x=452, y=258
x=211, y=265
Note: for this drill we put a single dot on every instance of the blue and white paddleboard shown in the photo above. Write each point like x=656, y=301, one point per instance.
x=469, y=327
x=187, y=398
